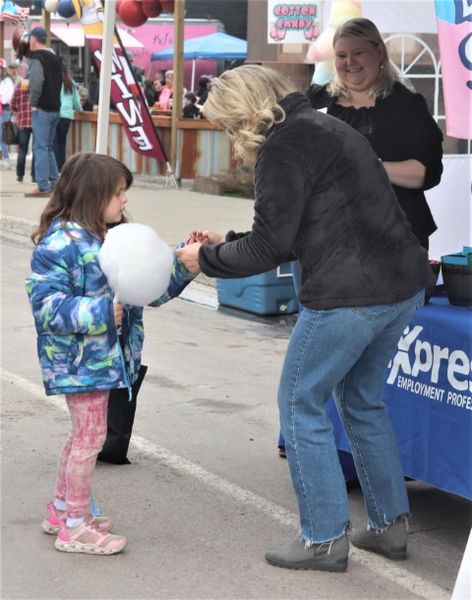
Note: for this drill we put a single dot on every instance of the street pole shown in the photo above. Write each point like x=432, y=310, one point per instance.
x=101, y=146
x=178, y=82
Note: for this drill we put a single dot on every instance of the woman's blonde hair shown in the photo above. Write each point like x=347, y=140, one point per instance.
x=388, y=73
x=245, y=103
x=83, y=191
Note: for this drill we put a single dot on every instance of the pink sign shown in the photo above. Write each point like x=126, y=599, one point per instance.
x=455, y=46
x=156, y=36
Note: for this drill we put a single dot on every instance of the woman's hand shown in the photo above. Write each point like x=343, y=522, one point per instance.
x=118, y=313
x=206, y=237
x=188, y=256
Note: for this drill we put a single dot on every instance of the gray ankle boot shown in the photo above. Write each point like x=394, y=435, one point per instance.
x=331, y=556
x=391, y=543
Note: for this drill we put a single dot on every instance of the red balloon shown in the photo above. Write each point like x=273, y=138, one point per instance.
x=167, y=6
x=117, y=6
x=152, y=8
x=131, y=13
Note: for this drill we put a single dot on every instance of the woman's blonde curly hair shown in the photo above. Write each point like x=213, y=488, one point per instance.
x=245, y=103
x=388, y=74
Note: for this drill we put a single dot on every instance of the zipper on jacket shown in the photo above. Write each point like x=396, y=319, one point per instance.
x=123, y=364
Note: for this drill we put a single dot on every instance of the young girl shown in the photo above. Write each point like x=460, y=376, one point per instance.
x=78, y=345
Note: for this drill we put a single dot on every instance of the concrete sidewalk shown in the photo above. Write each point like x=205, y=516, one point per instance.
x=172, y=213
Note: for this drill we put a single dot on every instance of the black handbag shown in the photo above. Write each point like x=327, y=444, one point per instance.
x=10, y=133
x=121, y=411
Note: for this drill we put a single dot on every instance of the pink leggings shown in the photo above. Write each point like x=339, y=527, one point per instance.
x=88, y=413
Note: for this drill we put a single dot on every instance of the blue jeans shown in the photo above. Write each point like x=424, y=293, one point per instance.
x=44, y=126
x=5, y=116
x=60, y=142
x=24, y=134
x=344, y=351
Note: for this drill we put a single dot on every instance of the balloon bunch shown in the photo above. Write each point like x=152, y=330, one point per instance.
x=64, y=8
x=134, y=13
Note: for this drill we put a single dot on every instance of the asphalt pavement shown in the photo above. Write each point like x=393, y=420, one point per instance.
x=206, y=493
x=172, y=213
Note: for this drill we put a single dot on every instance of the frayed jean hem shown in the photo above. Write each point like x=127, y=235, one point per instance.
x=378, y=530
x=309, y=543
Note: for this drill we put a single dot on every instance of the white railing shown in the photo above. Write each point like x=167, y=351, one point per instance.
x=408, y=60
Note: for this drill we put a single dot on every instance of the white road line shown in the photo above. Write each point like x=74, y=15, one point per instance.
x=376, y=564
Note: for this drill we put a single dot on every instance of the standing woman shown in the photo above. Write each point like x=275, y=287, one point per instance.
x=21, y=108
x=323, y=197
x=7, y=86
x=70, y=102
x=369, y=94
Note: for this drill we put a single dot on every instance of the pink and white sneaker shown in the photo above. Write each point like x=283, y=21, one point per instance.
x=51, y=523
x=87, y=538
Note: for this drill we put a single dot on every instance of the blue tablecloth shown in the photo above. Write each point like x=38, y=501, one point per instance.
x=428, y=392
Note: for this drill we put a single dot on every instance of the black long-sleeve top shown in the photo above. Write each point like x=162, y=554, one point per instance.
x=399, y=127
x=323, y=196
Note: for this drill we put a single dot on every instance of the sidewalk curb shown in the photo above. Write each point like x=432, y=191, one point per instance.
x=17, y=226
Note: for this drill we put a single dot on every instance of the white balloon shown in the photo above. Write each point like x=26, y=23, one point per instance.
x=136, y=262
x=51, y=5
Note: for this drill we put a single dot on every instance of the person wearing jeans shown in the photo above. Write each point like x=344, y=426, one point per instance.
x=316, y=363
x=45, y=82
x=44, y=125
x=70, y=103
x=21, y=108
x=4, y=117
x=7, y=85
x=324, y=198
x=24, y=134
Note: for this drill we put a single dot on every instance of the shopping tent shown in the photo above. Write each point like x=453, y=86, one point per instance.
x=216, y=46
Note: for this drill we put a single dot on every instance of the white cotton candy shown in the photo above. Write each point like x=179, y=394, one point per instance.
x=136, y=262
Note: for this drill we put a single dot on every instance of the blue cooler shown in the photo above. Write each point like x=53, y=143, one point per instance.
x=270, y=293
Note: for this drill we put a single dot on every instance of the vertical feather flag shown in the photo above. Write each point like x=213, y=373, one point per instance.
x=125, y=92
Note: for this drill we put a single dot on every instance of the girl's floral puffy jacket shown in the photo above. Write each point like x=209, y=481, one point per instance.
x=72, y=303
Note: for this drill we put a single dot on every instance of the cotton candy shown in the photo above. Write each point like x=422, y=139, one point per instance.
x=136, y=262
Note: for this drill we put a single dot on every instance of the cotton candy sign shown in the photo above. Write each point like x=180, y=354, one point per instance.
x=136, y=262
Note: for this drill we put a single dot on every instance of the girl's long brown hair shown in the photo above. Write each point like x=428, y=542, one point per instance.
x=67, y=80
x=85, y=186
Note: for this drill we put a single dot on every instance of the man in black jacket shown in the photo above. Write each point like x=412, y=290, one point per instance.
x=45, y=82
